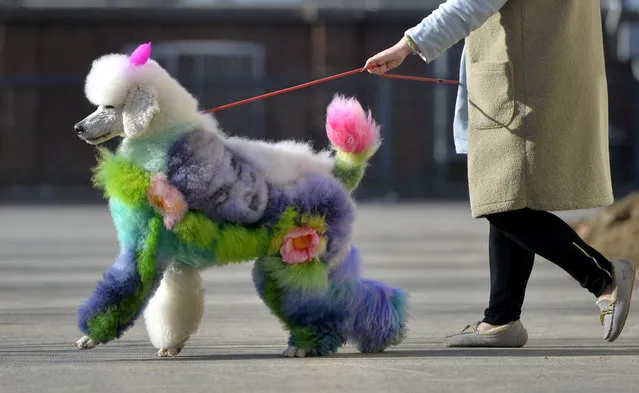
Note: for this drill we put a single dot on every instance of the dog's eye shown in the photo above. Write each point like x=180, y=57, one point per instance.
x=109, y=106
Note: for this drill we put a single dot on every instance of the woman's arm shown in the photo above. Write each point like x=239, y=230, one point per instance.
x=451, y=22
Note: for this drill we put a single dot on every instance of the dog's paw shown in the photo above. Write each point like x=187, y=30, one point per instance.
x=85, y=343
x=294, y=352
x=170, y=352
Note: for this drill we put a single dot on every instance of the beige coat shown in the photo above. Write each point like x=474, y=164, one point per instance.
x=538, y=109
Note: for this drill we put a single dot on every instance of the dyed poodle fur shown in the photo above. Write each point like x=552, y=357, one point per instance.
x=227, y=200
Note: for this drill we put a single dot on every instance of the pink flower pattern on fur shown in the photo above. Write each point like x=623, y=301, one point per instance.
x=348, y=127
x=167, y=200
x=301, y=244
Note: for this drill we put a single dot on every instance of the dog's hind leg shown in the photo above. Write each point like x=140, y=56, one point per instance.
x=316, y=326
x=379, y=321
x=377, y=311
x=175, y=311
x=299, y=296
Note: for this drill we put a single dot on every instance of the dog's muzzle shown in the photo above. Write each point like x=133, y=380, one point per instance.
x=81, y=132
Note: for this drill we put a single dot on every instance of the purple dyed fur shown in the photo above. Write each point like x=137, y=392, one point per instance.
x=119, y=281
x=223, y=185
x=215, y=181
x=320, y=195
x=376, y=320
x=348, y=270
x=368, y=312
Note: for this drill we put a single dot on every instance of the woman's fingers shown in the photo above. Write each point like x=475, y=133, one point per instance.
x=378, y=70
x=387, y=59
x=377, y=64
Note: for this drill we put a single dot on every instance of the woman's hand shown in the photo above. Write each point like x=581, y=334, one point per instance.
x=389, y=58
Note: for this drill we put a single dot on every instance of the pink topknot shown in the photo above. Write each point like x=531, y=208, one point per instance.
x=140, y=55
x=348, y=127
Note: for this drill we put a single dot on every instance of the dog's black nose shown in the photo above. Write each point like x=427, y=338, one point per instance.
x=79, y=128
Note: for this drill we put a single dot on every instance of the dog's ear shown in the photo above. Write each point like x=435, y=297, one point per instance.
x=139, y=108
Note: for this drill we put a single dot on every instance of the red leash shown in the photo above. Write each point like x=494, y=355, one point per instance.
x=326, y=79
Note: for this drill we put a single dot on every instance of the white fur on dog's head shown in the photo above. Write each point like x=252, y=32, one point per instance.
x=109, y=80
x=135, y=100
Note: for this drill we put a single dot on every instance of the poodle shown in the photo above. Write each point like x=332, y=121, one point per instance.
x=184, y=197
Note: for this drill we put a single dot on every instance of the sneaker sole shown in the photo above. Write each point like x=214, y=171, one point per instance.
x=626, y=309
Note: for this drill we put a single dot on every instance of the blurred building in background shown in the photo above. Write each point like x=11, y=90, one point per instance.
x=226, y=50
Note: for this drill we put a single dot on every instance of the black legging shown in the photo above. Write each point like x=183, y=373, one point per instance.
x=515, y=238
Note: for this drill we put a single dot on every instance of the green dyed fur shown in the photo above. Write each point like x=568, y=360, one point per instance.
x=304, y=277
x=304, y=338
x=273, y=296
x=197, y=229
x=120, y=179
x=349, y=168
x=279, y=230
x=307, y=277
x=289, y=219
x=103, y=327
x=196, y=240
x=236, y=243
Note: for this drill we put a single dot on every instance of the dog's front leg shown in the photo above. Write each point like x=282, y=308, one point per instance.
x=96, y=317
x=175, y=310
x=122, y=294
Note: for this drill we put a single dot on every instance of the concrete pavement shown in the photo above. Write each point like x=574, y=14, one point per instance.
x=51, y=257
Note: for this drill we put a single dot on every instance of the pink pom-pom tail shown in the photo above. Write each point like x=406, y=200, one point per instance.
x=140, y=55
x=349, y=128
